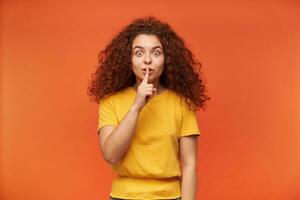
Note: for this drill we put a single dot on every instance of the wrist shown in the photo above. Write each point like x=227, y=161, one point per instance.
x=135, y=108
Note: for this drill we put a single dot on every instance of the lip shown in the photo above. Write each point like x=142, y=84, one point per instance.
x=150, y=72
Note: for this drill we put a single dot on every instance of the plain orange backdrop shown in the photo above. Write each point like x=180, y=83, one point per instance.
x=249, y=146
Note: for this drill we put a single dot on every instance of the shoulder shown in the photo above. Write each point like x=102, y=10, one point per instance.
x=182, y=102
x=176, y=97
x=173, y=94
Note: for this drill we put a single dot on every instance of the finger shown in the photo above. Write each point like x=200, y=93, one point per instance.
x=146, y=77
x=150, y=86
x=151, y=91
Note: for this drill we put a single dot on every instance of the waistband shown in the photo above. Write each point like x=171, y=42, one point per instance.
x=145, y=188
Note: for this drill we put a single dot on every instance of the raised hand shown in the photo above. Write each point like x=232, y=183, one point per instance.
x=145, y=91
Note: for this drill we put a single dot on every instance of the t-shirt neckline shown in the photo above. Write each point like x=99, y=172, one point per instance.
x=158, y=95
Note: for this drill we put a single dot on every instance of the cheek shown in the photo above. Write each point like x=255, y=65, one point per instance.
x=134, y=64
x=136, y=61
x=160, y=62
x=135, y=69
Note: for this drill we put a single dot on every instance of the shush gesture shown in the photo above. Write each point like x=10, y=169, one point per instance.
x=145, y=91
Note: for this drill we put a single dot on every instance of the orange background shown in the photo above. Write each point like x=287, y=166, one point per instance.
x=250, y=142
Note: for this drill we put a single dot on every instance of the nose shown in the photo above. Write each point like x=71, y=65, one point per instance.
x=147, y=59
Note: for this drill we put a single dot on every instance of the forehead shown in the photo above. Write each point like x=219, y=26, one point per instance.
x=146, y=41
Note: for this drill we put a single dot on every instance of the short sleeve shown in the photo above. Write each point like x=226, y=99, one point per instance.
x=106, y=113
x=189, y=124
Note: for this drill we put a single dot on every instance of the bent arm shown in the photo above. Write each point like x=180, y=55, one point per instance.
x=115, y=142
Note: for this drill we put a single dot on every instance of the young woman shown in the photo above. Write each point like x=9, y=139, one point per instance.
x=148, y=90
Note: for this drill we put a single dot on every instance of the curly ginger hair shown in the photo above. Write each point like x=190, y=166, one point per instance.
x=114, y=70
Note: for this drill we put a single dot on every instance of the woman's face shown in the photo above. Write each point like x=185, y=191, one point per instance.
x=147, y=51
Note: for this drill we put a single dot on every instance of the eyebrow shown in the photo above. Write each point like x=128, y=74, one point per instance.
x=140, y=47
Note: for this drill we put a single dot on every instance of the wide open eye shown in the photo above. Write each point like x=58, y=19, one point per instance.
x=138, y=53
x=157, y=53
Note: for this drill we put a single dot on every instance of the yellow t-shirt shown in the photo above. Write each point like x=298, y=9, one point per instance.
x=150, y=169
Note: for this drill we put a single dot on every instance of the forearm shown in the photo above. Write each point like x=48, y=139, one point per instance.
x=188, y=183
x=118, y=142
